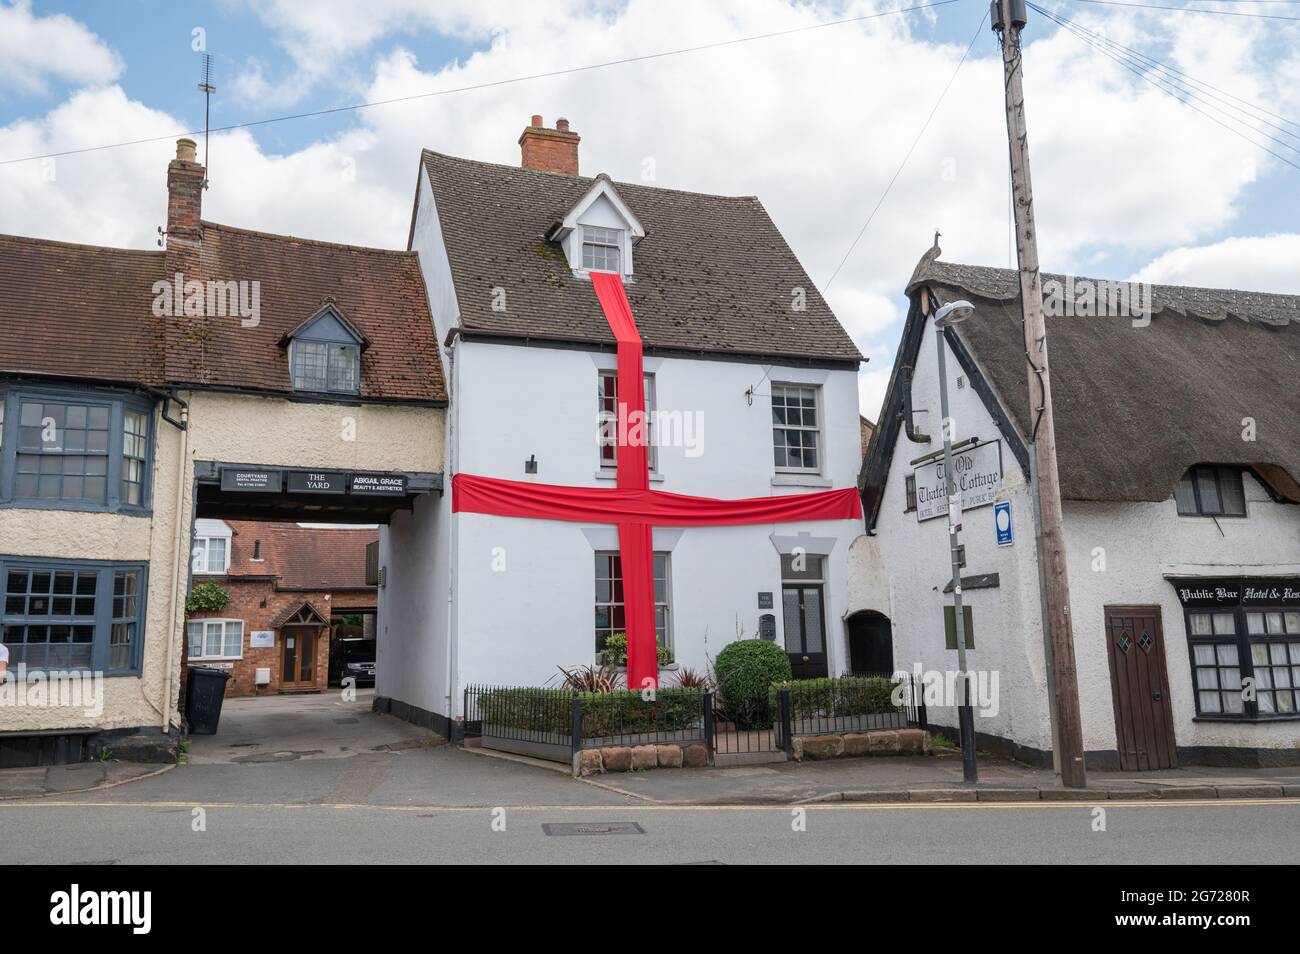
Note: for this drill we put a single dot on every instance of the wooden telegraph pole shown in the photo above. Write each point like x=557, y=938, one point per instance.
x=1008, y=19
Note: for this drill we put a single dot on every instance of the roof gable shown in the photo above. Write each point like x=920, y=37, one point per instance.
x=595, y=208
x=327, y=324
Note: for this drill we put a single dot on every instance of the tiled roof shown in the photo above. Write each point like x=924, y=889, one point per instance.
x=86, y=311
x=79, y=311
x=713, y=274
x=1136, y=406
x=380, y=291
x=303, y=558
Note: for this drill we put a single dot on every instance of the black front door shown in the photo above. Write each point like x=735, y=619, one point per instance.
x=805, y=629
x=871, y=646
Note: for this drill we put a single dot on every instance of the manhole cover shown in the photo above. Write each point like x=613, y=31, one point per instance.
x=593, y=828
x=346, y=721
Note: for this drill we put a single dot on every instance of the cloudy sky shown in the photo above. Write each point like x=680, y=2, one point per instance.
x=1130, y=181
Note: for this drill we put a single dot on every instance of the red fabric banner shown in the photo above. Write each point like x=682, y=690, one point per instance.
x=515, y=498
x=635, y=540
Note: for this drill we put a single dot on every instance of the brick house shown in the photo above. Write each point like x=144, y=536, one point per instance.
x=290, y=588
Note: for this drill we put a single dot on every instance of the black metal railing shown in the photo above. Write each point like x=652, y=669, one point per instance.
x=857, y=703
x=557, y=723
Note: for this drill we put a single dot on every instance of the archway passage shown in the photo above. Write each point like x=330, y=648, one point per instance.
x=871, y=643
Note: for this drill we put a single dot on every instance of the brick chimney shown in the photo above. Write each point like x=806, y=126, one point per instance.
x=184, y=209
x=550, y=150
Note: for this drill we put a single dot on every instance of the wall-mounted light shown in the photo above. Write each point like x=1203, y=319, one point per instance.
x=530, y=465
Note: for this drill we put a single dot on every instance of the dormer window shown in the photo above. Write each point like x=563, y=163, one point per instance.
x=325, y=354
x=1210, y=490
x=599, y=233
x=325, y=366
x=600, y=249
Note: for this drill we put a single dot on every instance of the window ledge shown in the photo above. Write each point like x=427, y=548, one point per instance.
x=12, y=676
x=655, y=476
x=800, y=480
x=1247, y=720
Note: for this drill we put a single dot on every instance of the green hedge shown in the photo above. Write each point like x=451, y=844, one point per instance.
x=831, y=698
x=746, y=670
x=603, y=713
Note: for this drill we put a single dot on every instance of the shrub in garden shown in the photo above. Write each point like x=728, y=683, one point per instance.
x=746, y=670
x=615, y=651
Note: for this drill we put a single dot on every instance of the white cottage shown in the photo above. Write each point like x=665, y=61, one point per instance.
x=1179, y=450
x=750, y=382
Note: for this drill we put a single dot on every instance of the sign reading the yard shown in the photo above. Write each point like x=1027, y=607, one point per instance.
x=312, y=482
x=378, y=485
x=978, y=474
x=253, y=481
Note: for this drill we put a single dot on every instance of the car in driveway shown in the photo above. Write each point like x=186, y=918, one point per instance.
x=359, y=661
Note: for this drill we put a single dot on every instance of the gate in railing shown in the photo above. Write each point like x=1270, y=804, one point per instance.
x=857, y=703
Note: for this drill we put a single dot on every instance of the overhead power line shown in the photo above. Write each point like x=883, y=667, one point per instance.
x=1178, y=76
x=1163, y=85
x=1216, y=13
x=488, y=85
x=910, y=149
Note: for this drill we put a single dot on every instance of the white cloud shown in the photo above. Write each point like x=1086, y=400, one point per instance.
x=35, y=49
x=1268, y=263
x=814, y=124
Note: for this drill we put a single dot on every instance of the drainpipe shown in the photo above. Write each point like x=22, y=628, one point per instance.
x=451, y=461
x=908, y=426
x=180, y=538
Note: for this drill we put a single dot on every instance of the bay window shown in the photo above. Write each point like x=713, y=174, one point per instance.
x=75, y=450
x=72, y=615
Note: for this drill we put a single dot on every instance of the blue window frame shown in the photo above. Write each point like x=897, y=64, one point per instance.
x=325, y=356
x=75, y=450
x=73, y=614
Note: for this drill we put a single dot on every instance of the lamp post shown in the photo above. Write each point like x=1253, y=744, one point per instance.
x=950, y=314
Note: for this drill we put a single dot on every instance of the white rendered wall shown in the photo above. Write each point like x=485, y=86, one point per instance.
x=526, y=589
x=1143, y=543
x=910, y=561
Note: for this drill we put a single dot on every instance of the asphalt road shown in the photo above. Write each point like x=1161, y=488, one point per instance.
x=125, y=831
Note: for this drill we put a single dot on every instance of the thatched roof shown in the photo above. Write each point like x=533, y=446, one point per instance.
x=1136, y=406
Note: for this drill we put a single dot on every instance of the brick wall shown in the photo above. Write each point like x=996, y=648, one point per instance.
x=257, y=603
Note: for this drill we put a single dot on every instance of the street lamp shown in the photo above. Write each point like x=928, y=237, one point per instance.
x=951, y=314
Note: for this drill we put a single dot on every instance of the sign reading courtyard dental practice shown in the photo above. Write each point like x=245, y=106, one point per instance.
x=978, y=474
x=270, y=480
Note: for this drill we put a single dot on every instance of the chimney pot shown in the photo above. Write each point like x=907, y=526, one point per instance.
x=537, y=121
x=562, y=124
x=186, y=150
